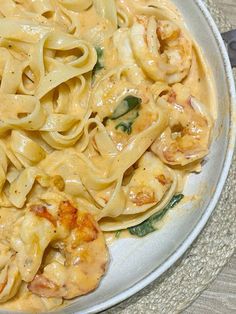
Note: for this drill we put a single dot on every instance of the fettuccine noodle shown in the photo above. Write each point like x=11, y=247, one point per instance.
x=106, y=106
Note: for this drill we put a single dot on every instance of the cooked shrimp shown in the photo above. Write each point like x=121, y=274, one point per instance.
x=161, y=49
x=122, y=43
x=10, y=278
x=81, y=242
x=187, y=138
x=149, y=183
x=31, y=235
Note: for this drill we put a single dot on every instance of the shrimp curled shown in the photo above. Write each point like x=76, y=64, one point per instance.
x=10, y=278
x=161, y=49
x=81, y=243
x=187, y=138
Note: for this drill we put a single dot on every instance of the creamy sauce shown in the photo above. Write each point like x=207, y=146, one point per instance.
x=123, y=127
x=112, y=237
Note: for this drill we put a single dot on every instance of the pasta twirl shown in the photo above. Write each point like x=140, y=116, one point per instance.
x=105, y=108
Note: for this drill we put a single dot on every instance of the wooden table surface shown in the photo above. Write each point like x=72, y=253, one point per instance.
x=220, y=297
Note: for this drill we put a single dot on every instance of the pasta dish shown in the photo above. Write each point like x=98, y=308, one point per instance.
x=105, y=107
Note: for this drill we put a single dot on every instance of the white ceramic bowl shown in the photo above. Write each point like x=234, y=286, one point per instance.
x=137, y=262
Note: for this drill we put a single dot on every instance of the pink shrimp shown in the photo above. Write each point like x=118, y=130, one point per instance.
x=85, y=254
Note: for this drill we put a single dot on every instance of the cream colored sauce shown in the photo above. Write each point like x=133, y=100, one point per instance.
x=98, y=31
x=112, y=237
x=201, y=82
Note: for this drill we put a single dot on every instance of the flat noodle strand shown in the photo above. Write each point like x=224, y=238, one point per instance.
x=105, y=108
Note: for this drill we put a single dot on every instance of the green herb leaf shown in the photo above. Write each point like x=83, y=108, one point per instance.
x=98, y=66
x=126, y=105
x=99, y=51
x=126, y=126
x=148, y=225
x=142, y=229
x=117, y=234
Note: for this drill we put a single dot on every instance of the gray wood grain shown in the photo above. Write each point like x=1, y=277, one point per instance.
x=229, y=9
x=220, y=297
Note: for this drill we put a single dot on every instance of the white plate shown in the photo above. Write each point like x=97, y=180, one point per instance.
x=137, y=262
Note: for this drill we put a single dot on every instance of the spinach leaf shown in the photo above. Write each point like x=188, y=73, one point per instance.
x=98, y=66
x=148, y=225
x=117, y=234
x=126, y=105
x=99, y=51
x=126, y=125
x=142, y=229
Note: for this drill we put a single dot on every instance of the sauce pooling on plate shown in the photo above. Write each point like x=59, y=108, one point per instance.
x=106, y=107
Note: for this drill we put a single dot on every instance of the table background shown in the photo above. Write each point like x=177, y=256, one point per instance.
x=220, y=297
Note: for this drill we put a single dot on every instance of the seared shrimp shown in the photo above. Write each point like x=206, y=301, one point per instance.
x=82, y=245
x=161, y=48
x=187, y=138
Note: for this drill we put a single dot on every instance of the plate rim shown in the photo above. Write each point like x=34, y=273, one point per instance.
x=182, y=248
